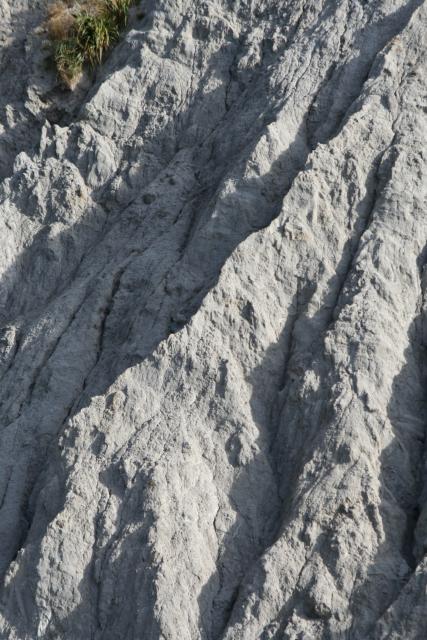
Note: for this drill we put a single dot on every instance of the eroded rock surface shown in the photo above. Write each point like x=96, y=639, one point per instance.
x=213, y=326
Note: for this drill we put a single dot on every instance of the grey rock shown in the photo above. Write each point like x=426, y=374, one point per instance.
x=212, y=329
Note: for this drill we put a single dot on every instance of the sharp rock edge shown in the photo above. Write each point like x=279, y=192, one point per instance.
x=213, y=339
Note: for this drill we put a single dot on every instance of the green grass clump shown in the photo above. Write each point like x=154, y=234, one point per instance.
x=83, y=32
x=69, y=60
x=94, y=34
x=119, y=9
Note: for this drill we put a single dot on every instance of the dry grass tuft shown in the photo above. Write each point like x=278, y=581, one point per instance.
x=81, y=33
x=60, y=20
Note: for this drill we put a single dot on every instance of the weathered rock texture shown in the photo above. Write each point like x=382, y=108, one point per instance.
x=213, y=326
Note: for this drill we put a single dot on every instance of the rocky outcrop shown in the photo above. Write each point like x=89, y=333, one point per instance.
x=212, y=351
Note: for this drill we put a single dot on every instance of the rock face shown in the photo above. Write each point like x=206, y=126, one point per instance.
x=213, y=326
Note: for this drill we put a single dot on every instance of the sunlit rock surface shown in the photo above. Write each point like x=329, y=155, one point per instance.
x=213, y=326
